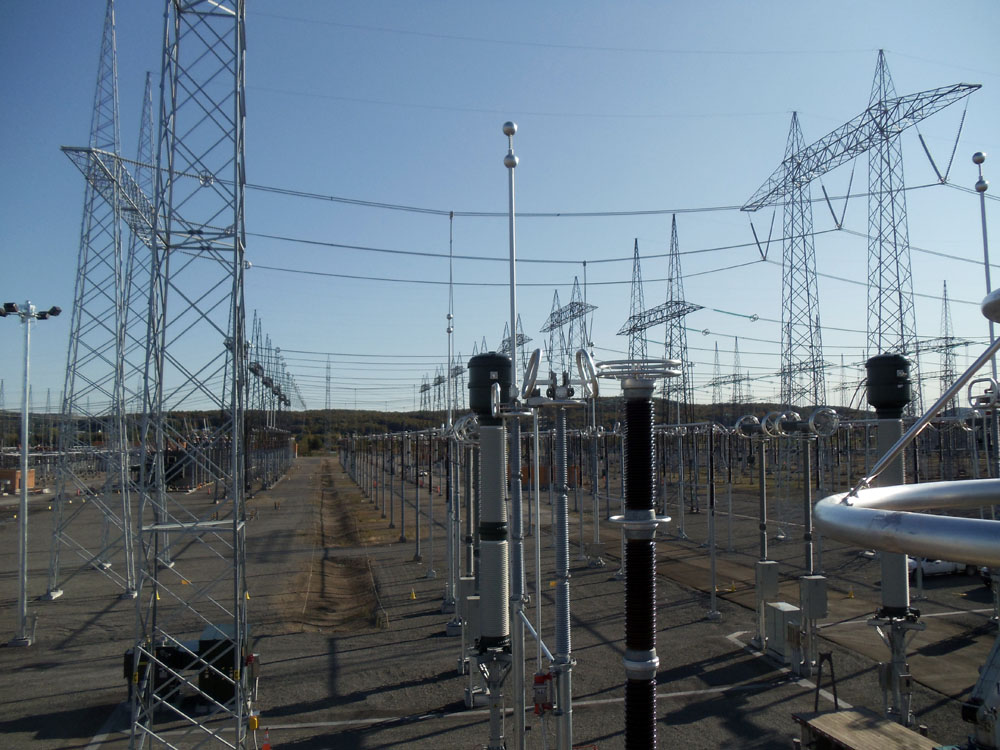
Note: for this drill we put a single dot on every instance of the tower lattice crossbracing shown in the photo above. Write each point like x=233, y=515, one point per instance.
x=948, y=365
x=891, y=320
x=679, y=389
x=192, y=585
x=637, y=306
x=563, y=346
x=99, y=361
x=802, y=376
x=876, y=131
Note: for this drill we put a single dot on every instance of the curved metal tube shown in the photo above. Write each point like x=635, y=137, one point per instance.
x=883, y=518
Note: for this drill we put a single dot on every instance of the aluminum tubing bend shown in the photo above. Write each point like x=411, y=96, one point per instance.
x=892, y=519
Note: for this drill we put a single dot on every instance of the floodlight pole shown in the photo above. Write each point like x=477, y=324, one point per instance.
x=27, y=313
x=22, y=638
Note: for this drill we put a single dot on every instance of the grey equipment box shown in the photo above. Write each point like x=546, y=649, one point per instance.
x=779, y=618
x=812, y=597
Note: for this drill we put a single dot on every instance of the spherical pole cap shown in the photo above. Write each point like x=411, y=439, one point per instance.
x=509, y=128
x=991, y=306
x=979, y=157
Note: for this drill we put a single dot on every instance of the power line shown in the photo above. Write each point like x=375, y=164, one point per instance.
x=504, y=284
x=498, y=259
x=553, y=45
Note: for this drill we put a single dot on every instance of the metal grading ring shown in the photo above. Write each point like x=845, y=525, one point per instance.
x=588, y=373
x=646, y=369
x=747, y=426
x=770, y=423
x=824, y=421
x=988, y=398
x=466, y=428
x=495, y=400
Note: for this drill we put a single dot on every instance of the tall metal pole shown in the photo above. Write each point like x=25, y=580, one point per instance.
x=22, y=638
x=431, y=573
x=510, y=161
x=454, y=625
x=713, y=612
x=404, y=446
x=517, y=529
x=416, y=489
x=562, y=665
x=981, y=186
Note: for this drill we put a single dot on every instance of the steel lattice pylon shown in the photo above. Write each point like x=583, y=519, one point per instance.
x=675, y=340
x=739, y=396
x=555, y=327
x=96, y=370
x=192, y=602
x=521, y=339
x=891, y=320
x=948, y=365
x=802, y=377
x=563, y=348
x=425, y=394
x=875, y=131
x=716, y=378
x=637, y=306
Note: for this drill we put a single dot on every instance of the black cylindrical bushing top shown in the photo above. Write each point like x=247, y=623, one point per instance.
x=640, y=484
x=485, y=370
x=888, y=384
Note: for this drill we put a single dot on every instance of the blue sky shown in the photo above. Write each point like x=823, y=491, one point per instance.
x=621, y=107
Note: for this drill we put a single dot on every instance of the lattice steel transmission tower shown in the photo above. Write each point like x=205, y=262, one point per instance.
x=563, y=348
x=716, y=378
x=803, y=381
x=579, y=336
x=739, y=377
x=637, y=306
x=891, y=319
x=440, y=402
x=425, y=394
x=457, y=374
x=948, y=366
x=193, y=587
x=555, y=327
x=96, y=370
x=641, y=320
x=138, y=273
x=522, y=341
x=876, y=131
x=675, y=345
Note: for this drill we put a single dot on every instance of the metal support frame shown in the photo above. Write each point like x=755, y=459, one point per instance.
x=193, y=581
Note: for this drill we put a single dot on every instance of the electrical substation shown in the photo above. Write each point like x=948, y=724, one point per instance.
x=564, y=550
